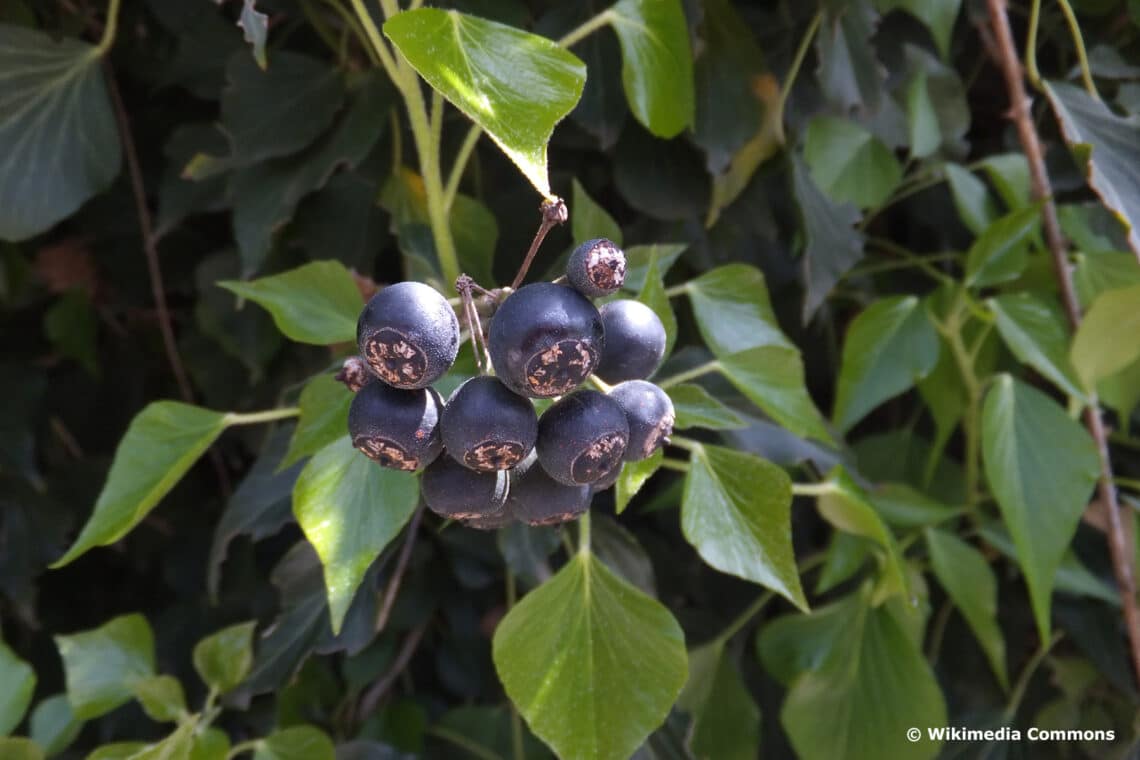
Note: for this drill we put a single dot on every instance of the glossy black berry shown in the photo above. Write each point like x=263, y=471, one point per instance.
x=635, y=341
x=582, y=437
x=545, y=340
x=649, y=412
x=500, y=519
x=596, y=268
x=451, y=490
x=408, y=334
x=538, y=499
x=397, y=428
x=485, y=426
x=608, y=480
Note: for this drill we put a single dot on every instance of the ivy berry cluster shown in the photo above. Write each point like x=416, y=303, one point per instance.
x=486, y=455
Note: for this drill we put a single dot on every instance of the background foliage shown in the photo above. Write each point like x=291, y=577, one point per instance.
x=879, y=510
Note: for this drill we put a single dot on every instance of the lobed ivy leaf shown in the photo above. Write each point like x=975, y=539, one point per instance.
x=1041, y=467
x=101, y=664
x=736, y=512
x=48, y=173
x=591, y=662
x=517, y=99
x=350, y=508
x=161, y=444
x=315, y=303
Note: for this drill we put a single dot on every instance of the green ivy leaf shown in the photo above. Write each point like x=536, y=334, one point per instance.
x=48, y=173
x=315, y=303
x=211, y=744
x=1108, y=339
x=117, y=751
x=849, y=508
x=324, y=406
x=849, y=72
x=736, y=512
x=1041, y=467
x=657, y=65
x=839, y=708
x=633, y=476
x=1009, y=173
x=223, y=659
x=588, y=220
x=1108, y=270
x=618, y=549
x=696, y=407
x=726, y=720
x=350, y=508
x=638, y=258
x=849, y=163
x=161, y=697
x=296, y=743
x=592, y=663
x=832, y=245
x=1036, y=333
x=516, y=99
x=19, y=682
x=889, y=347
x=904, y=507
x=970, y=582
x=846, y=554
x=654, y=296
x=53, y=724
x=971, y=198
x=938, y=16
x=20, y=748
x=101, y=664
x=255, y=29
x=161, y=444
x=176, y=746
x=772, y=377
x=733, y=310
x=1106, y=144
x=1072, y=577
x=999, y=252
x=794, y=644
x=922, y=117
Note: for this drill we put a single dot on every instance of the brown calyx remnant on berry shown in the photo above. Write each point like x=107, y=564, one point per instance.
x=354, y=374
x=660, y=435
x=386, y=452
x=494, y=455
x=599, y=458
x=560, y=368
x=396, y=360
x=605, y=266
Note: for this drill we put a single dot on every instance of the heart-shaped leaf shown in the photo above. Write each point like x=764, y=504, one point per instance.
x=58, y=138
x=591, y=662
x=100, y=664
x=517, y=99
x=223, y=659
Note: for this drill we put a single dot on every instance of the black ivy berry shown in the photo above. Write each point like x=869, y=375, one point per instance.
x=485, y=426
x=451, y=490
x=537, y=499
x=608, y=480
x=397, y=428
x=649, y=412
x=408, y=334
x=545, y=340
x=635, y=341
x=596, y=268
x=582, y=437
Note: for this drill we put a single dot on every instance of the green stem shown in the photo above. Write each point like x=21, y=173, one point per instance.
x=586, y=29
x=677, y=290
x=584, y=533
x=256, y=418
x=242, y=747
x=461, y=741
x=460, y=164
x=378, y=45
x=1079, y=41
x=600, y=384
x=109, y=30
x=1026, y=675
x=675, y=464
x=889, y=246
x=1132, y=484
x=797, y=62
x=1031, y=71
x=952, y=332
x=814, y=489
x=889, y=266
x=745, y=617
x=690, y=374
x=688, y=444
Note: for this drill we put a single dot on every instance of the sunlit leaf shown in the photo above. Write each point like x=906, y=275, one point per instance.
x=315, y=303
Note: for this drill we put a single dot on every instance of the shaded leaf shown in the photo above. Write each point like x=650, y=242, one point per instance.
x=517, y=99
x=1037, y=335
x=223, y=659
x=904, y=507
x=1108, y=338
x=832, y=245
x=633, y=476
x=772, y=377
x=100, y=664
x=794, y=644
x=161, y=697
x=654, y=296
x=736, y=512
x=525, y=549
x=592, y=664
x=849, y=163
x=889, y=347
x=937, y=15
x=726, y=720
x=161, y=444
x=922, y=118
x=350, y=508
x=999, y=252
x=53, y=725
x=1041, y=467
x=20, y=748
x=1106, y=144
x=19, y=682
x=657, y=64
x=588, y=220
x=849, y=74
x=324, y=406
x=971, y=198
x=315, y=303
x=48, y=173
x=619, y=550
x=696, y=407
x=296, y=743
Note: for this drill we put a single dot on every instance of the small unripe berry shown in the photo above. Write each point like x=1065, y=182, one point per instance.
x=537, y=499
x=397, y=428
x=408, y=334
x=635, y=341
x=649, y=412
x=582, y=437
x=596, y=268
x=451, y=490
x=486, y=426
x=545, y=340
